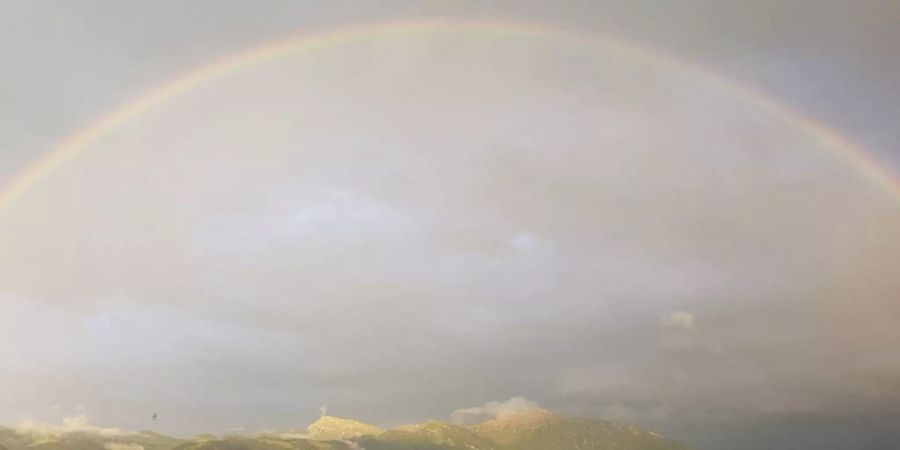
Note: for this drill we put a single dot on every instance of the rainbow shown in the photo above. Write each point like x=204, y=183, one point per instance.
x=865, y=164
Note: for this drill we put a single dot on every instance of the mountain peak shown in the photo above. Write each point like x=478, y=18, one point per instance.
x=332, y=428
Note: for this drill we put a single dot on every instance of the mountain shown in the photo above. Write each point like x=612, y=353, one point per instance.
x=542, y=430
x=329, y=428
x=84, y=440
x=10, y=439
x=534, y=430
x=430, y=435
x=255, y=443
x=149, y=440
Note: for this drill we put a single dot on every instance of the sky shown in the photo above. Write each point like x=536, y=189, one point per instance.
x=404, y=225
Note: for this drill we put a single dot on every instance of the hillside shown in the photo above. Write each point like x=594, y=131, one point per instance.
x=541, y=430
x=255, y=443
x=12, y=439
x=431, y=435
x=535, y=430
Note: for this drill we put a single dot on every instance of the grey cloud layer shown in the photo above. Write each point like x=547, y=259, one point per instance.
x=406, y=227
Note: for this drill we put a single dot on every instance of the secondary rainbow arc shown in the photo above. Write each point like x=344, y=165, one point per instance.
x=865, y=164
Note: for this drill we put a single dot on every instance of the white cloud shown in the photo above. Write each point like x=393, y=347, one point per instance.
x=495, y=409
x=680, y=320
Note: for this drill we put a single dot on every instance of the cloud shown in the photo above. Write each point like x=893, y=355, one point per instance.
x=680, y=320
x=495, y=409
x=79, y=423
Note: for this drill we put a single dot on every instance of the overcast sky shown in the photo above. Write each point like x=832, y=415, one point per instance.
x=400, y=226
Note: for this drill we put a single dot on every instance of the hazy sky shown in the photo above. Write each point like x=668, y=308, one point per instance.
x=401, y=226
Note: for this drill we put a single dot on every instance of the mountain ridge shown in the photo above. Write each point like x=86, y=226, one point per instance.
x=522, y=430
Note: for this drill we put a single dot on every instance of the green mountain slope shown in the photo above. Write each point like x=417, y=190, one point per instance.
x=536, y=430
x=542, y=430
x=430, y=435
x=83, y=440
x=149, y=440
x=255, y=443
x=10, y=439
